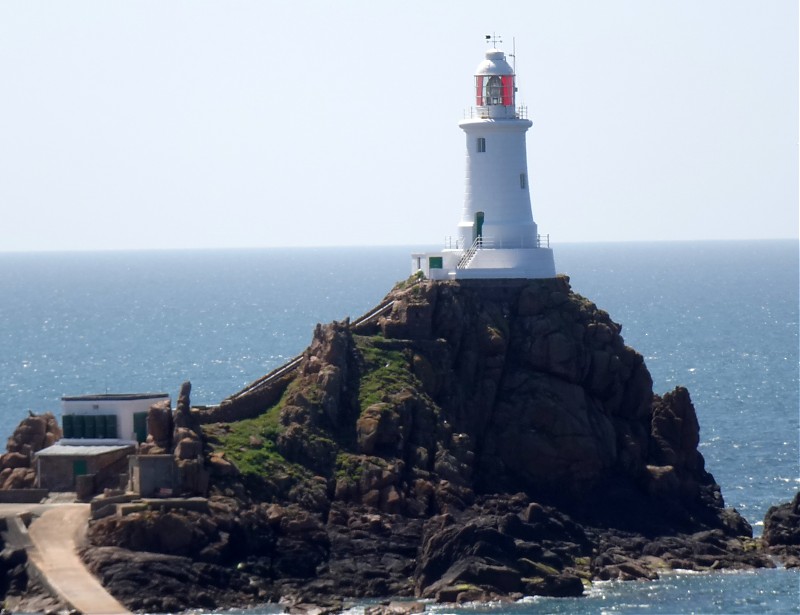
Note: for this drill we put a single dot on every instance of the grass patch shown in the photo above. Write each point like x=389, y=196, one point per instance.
x=387, y=370
x=349, y=467
x=414, y=278
x=250, y=444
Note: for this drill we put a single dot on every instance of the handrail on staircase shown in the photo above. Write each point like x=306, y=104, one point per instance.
x=467, y=257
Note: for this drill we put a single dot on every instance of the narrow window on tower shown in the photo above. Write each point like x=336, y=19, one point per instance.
x=523, y=181
x=481, y=145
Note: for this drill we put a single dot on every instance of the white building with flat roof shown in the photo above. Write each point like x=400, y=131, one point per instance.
x=109, y=417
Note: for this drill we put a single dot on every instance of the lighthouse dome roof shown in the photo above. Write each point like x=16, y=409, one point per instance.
x=494, y=64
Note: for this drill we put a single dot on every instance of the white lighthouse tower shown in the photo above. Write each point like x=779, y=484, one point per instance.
x=497, y=237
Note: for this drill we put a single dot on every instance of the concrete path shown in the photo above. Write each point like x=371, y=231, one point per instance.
x=55, y=536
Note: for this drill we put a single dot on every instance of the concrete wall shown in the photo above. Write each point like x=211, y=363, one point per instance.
x=148, y=474
x=535, y=263
x=56, y=473
x=22, y=496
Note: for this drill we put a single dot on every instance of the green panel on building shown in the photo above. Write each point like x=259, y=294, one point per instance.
x=434, y=262
x=140, y=426
x=88, y=427
x=66, y=424
x=100, y=426
x=77, y=426
x=111, y=426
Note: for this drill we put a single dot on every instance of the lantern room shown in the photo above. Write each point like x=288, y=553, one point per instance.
x=494, y=84
x=494, y=90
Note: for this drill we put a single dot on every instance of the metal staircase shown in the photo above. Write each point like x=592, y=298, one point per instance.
x=466, y=258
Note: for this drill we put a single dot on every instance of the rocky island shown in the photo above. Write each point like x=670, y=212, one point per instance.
x=470, y=440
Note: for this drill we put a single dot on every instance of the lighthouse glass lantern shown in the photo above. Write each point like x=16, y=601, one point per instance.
x=494, y=90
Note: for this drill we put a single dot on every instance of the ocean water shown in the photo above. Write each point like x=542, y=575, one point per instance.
x=720, y=318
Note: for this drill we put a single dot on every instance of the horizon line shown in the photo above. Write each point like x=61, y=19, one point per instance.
x=411, y=246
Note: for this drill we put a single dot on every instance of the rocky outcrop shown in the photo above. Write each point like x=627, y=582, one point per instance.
x=34, y=433
x=19, y=591
x=159, y=430
x=502, y=547
x=153, y=582
x=490, y=387
x=188, y=446
x=782, y=532
x=482, y=439
x=178, y=433
x=13, y=568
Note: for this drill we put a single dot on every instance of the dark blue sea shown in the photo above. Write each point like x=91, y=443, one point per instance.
x=720, y=318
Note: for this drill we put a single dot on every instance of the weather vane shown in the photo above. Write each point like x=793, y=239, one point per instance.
x=493, y=39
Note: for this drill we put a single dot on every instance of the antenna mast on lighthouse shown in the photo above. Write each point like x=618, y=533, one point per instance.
x=514, y=53
x=493, y=39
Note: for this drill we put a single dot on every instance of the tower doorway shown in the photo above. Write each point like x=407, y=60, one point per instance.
x=478, y=227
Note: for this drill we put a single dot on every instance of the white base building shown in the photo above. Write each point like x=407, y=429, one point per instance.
x=528, y=263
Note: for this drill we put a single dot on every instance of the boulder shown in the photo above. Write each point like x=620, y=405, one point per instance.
x=500, y=546
x=18, y=478
x=188, y=448
x=155, y=582
x=14, y=460
x=34, y=433
x=782, y=531
x=159, y=425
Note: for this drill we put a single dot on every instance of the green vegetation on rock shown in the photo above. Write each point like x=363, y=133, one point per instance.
x=386, y=370
x=250, y=444
x=349, y=466
x=411, y=280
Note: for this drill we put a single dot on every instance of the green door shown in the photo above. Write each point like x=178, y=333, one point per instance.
x=79, y=467
x=140, y=426
x=478, y=225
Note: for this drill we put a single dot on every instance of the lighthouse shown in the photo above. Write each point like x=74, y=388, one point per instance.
x=497, y=236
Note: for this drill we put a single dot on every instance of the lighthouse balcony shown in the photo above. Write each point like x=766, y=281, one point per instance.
x=496, y=112
x=491, y=243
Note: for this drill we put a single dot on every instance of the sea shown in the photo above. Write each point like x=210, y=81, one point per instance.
x=718, y=317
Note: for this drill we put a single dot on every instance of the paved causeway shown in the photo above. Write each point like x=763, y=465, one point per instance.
x=55, y=536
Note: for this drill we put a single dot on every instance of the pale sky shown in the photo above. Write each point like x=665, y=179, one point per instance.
x=210, y=124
